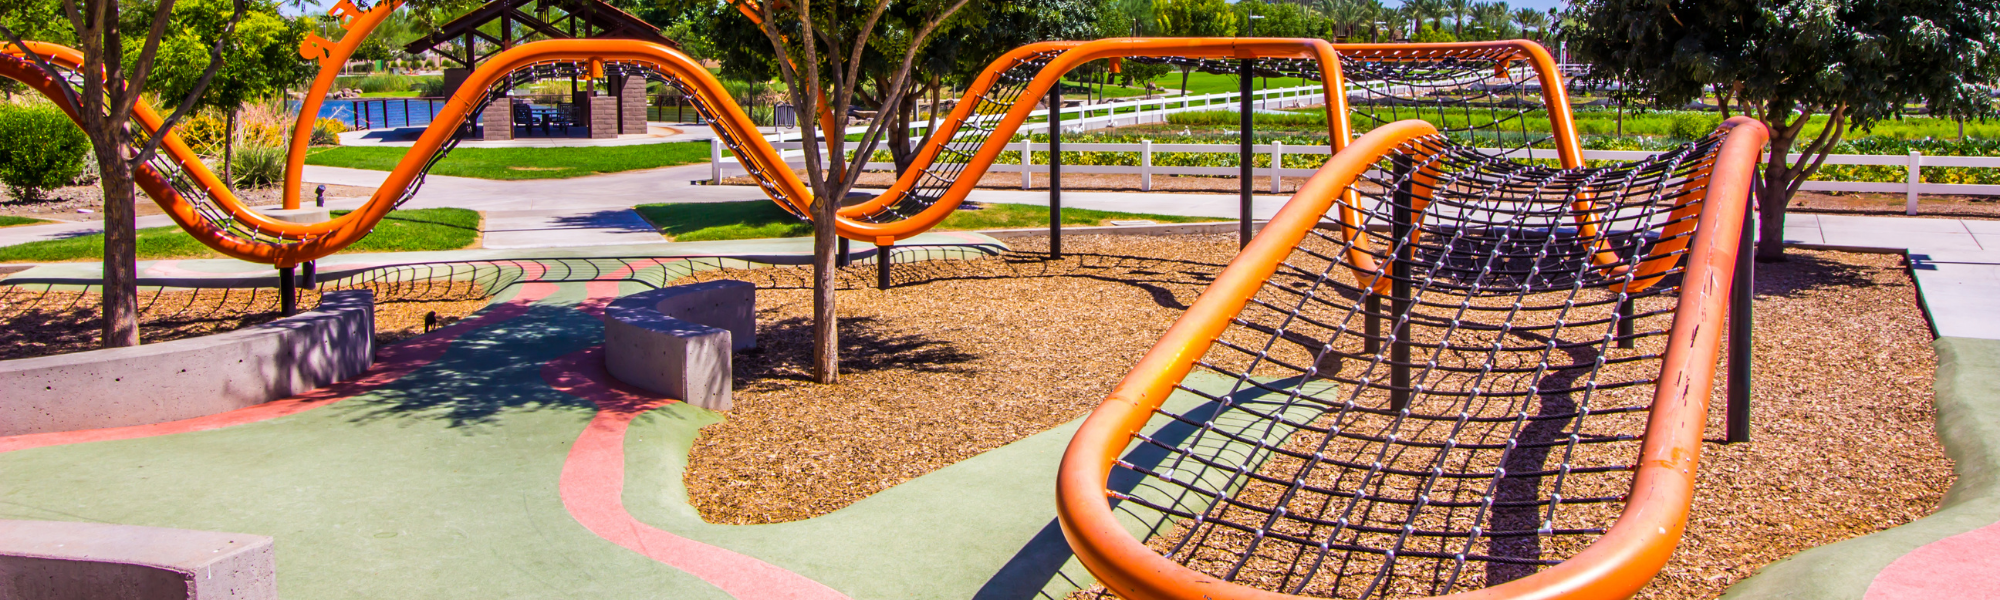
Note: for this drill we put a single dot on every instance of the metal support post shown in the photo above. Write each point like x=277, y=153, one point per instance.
x=842, y=257
x=1374, y=324
x=1741, y=292
x=310, y=278
x=1400, y=295
x=882, y=259
x=288, y=292
x=1055, y=171
x=1244, y=110
x=1625, y=325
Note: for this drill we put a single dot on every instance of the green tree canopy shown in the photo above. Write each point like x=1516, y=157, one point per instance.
x=1784, y=61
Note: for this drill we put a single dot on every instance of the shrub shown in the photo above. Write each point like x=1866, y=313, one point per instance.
x=326, y=132
x=1692, y=126
x=259, y=166
x=40, y=150
x=431, y=87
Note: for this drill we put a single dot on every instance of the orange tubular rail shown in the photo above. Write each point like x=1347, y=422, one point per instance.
x=1615, y=565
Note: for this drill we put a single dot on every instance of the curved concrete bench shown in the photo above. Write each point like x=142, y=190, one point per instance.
x=676, y=341
x=56, y=560
x=183, y=379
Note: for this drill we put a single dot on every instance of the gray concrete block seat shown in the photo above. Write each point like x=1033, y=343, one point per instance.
x=58, y=560
x=676, y=341
x=183, y=379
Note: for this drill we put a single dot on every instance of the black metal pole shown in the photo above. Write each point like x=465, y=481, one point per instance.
x=310, y=278
x=1625, y=325
x=1399, y=286
x=1374, y=324
x=288, y=292
x=843, y=258
x=1243, y=203
x=1741, y=293
x=882, y=257
x=1055, y=171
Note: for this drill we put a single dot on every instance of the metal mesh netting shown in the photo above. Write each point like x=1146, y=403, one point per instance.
x=1462, y=412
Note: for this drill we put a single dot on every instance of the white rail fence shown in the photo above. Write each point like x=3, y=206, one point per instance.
x=1911, y=186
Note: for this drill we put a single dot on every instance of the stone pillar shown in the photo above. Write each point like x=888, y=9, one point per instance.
x=632, y=105
x=499, y=120
x=603, y=117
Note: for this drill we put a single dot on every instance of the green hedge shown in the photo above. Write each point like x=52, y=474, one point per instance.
x=40, y=149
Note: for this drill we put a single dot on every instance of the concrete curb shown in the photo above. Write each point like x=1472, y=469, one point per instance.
x=58, y=560
x=189, y=378
x=1968, y=424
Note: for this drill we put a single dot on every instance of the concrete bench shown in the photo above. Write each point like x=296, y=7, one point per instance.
x=56, y=560
x=183, y=379
x=676, y=341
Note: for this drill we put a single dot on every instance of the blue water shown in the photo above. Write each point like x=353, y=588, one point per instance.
x=381, y=113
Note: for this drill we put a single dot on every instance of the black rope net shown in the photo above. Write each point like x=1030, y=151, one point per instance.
x=1463, y=412
x=1488, y=98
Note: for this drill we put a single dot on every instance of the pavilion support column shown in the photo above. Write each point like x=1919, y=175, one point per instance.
x=603, y=117
x=631, y=92
x=499, y=120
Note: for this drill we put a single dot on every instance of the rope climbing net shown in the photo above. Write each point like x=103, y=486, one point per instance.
x=1483, y=97
x=1444, y=386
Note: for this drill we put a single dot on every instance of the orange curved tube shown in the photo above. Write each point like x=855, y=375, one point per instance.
x=1614, y=566
x=332, y=58
x=303, y=242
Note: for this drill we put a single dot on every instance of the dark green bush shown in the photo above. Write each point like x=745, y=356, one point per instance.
x=40, y=150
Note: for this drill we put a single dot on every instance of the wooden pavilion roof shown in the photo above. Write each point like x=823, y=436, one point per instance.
x=523, y=21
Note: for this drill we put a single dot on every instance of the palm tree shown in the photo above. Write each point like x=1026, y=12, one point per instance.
x=1531, y=19
x=1419, y=11
x=1458, y=9
x=1348, y=15
x=1494, y=17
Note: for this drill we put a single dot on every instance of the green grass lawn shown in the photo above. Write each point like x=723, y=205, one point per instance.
x=402, y=231
x=757, y=219
x=522, y=163
x=398, y=94
x=10, y=221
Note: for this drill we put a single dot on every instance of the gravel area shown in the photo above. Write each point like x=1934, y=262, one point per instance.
x=86, y=202
x=965, y=356
x=44, y=323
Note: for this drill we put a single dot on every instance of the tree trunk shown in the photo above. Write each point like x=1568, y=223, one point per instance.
x=899, y=133
x=826, y=335
x=229, y=150
x=121, y=271
x=1774, y=198
x=1184, y=77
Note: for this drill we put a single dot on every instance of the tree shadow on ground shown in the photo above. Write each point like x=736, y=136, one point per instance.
x=487, y=372
x=784, y=352
x=1157, y=277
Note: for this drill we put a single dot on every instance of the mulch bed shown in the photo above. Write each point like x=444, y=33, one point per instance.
x=39, y=322
x=965, y=356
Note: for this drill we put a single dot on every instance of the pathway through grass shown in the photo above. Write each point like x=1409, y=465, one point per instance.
x=712, y=221
x=521, y=163
x=402, y=231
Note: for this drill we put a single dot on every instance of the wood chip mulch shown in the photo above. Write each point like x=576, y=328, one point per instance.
x=959, y=358
x=40, y=322
x=965, y=356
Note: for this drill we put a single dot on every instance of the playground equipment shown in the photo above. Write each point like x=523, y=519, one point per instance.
x=1436, y=372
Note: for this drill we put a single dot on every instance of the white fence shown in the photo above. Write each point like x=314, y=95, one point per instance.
x=1911, y=186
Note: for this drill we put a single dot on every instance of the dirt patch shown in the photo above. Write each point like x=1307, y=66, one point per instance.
x=1095, y=182
x=1894, y=205
x=86, y=202
x=959, y=358
x=41, y=322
